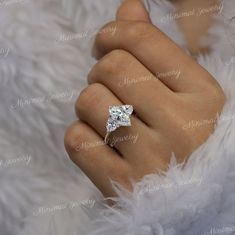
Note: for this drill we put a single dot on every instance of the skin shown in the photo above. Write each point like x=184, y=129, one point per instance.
x=136, y=65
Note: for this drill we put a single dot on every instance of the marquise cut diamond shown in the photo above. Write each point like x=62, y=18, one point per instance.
x=119, y=116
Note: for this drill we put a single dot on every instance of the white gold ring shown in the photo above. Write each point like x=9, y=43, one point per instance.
x=118, y=116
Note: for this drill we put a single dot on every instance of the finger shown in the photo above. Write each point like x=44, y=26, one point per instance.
x=132, y=10
x=92, y=107
x=98, y=161
x=133, y=84
x=158, y=53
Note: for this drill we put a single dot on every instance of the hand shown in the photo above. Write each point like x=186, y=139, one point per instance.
x=141, y=66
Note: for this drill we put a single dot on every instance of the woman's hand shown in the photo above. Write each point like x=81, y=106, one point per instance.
x=141, y=66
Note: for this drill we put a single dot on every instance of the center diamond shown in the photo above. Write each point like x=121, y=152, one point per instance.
x=119, y=116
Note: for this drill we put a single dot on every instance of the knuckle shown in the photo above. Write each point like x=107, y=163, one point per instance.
x=114, y=62
x=138, y=31
x=118, y=55
x=89, y=97
x=217, y=95
x=108, y=29
x=73, y=138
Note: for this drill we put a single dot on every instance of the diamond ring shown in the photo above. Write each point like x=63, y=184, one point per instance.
x=118, y=116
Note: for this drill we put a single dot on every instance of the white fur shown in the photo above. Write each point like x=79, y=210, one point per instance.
x=47, y=194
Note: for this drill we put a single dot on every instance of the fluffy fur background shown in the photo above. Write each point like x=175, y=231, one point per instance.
x=44, y=58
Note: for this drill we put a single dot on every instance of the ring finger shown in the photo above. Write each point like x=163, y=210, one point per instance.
x=92, y=107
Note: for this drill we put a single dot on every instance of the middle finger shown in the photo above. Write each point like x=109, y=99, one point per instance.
x=133, y=84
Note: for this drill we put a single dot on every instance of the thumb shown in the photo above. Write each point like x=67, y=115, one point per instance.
x=133, y=10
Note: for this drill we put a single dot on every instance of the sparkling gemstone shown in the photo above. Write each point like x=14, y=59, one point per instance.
x=111, y=125
x=128, y=109
x=115, y=112
x=119, y=116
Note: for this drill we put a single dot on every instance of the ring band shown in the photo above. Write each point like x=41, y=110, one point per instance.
x=118, y=116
